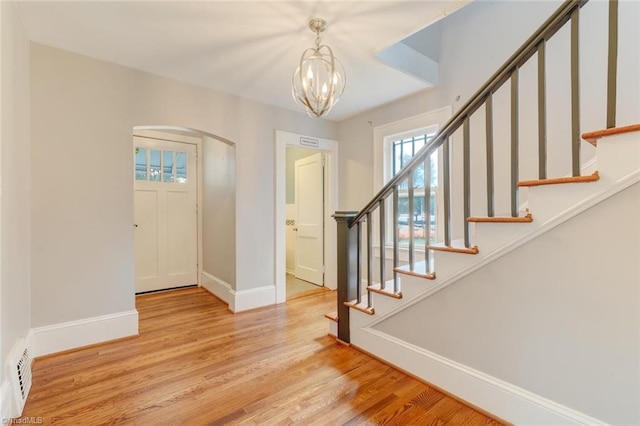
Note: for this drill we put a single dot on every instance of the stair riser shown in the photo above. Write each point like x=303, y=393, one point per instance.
x=359, y=319
x=448, y=263
x=547, y=201
x=384, y=304
x=333, y=328
x=618, y=155
x=414, y=286
x=491, y=236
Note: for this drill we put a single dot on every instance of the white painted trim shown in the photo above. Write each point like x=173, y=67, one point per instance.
x=252, y=298
x=241, y=300
x=219, y=288
x=166, y=136
x=199, y=208
x=282, y=141
x=503, y=399
x=181, y=130
x=74, y=334
x=6, y=401
x=553, y=222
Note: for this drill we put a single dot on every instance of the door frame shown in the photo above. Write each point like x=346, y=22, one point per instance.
x=173, y=134
x=330, y=147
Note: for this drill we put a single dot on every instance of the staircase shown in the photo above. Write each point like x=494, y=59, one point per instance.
x=366, y=306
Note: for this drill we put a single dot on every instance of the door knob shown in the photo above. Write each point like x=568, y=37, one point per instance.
x=295, y=229
x=135, y=225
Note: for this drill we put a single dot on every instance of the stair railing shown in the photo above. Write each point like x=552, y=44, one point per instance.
x=351, y=224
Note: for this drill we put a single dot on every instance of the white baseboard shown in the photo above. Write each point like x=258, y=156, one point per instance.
x=504, y=400
x=241, y=300
x=74, y=334
x=291, y=272
x=253, y=298
x=6, y=401
x=219, y=288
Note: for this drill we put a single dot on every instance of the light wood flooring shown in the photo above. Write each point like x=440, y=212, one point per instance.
x=297, y=287
x=195, y=363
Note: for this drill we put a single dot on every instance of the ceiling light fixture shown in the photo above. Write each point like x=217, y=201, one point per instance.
x=319, y=80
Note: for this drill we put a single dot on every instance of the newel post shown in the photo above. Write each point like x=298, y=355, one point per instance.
x=347, y=257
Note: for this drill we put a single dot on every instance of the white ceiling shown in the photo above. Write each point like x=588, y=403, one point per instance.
x=246, y=48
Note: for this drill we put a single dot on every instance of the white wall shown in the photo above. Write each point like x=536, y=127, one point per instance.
x=83, y=112
x=558, y=317
x=15, y=182
x=475, y=41
x=219, y=210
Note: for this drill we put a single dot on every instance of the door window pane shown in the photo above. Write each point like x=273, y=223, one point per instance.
x=141, y=163
x=167, y=167
x=154, y=165
x=181, y=167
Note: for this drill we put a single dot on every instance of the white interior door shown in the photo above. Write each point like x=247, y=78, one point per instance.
x=309, y=190
x=165, y=202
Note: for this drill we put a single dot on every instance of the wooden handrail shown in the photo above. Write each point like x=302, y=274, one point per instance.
x=522, y=55
x=350, y=230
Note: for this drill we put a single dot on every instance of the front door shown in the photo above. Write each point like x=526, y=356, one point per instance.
x=165, y=214
x=309, y=196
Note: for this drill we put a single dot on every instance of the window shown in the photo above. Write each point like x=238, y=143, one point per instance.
x=401, y=150
x=394, y=145
x=156, y=165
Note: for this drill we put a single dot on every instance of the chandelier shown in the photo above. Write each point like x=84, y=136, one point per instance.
x=319, y=80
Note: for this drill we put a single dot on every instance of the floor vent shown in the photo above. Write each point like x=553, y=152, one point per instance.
x=20, y=366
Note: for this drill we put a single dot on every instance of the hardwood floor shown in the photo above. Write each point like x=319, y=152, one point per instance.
x=299, y=288
x=196, y=363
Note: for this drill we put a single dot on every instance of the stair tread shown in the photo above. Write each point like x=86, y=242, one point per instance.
x=457, y=246
x=387, y=291
x=555, y=181
x=501, y=219
x=333, y=316
x=592, y=137
x=419, y=270
x=362, y=307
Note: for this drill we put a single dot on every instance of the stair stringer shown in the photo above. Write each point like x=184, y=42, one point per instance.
x=504, y=399
x=618, y=161
x=512, y=235
x=449, y=264
x=607, y=190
